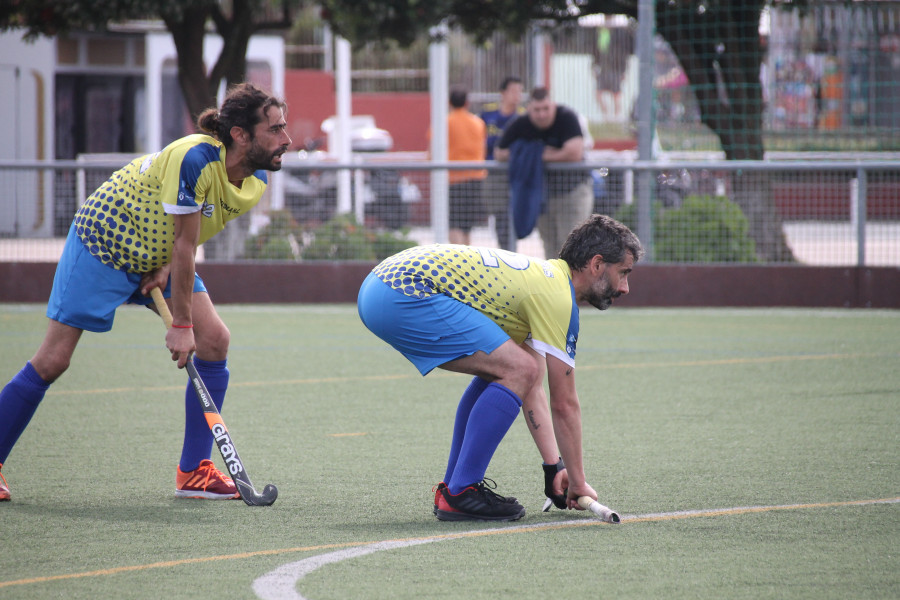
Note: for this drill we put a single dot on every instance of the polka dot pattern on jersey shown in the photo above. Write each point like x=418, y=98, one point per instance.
x=123, y=223
x=424, y=271
x=455, y=271
x=522, y=295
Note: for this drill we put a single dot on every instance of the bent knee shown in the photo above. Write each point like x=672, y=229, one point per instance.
x=213, y=344
x=523, y=376
x=531, y=373
x=50, y=367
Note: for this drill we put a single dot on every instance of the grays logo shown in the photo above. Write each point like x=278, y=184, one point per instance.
x=208, y=210
x=226, y=447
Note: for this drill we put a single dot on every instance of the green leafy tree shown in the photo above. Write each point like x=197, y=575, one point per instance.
x=186, y=20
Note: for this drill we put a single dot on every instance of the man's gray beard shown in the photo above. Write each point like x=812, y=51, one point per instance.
x=601, y=303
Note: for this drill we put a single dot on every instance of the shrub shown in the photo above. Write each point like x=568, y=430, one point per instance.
x=342, y=238
x=703, y=229
x=627, y=214
x=279, y=240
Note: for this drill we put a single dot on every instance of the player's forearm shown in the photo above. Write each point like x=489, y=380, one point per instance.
x=187, y=234
x=182, y=278
x=501, y=154
x=567, y=425
x=540, y=424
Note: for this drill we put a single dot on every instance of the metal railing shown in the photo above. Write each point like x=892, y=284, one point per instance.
x=817, y=212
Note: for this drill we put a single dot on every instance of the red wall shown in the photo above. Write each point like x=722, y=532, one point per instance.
x=311, y=99
x=652, y=284
x=406, y=115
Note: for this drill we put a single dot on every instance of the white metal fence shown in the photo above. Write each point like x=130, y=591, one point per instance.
x=824, y=212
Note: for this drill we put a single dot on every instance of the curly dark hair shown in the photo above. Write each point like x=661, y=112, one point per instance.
x=241, y=108
x=601, y=235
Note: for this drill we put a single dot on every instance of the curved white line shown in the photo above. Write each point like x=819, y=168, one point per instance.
x=281, y=584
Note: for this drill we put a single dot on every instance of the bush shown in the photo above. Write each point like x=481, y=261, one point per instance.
x=703, y=229
x=279, y=240
x=627, y=214
x=342, y=238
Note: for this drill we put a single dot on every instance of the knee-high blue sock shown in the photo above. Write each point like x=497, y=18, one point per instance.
x=491, y=417
x=198, y=440
x=18, y=401
x=469, y=397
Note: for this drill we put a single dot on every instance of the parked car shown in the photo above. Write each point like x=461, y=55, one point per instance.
x=311, y=195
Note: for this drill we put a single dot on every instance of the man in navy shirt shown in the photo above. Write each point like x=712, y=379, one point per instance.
x=496, y=189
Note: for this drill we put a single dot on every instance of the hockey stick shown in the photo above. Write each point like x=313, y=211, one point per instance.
x=603, y=512
x=587, y=503
x=217, y=426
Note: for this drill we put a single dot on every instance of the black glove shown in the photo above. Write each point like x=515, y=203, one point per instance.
x=550, y=472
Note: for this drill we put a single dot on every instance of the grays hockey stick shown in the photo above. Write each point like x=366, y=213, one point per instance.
x=217, y=426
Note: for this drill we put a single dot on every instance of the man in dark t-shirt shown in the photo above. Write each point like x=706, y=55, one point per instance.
x=569, y=193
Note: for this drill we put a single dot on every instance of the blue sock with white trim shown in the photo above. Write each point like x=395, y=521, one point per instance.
x=19, y=400
x=491, y=417
x=198, y=439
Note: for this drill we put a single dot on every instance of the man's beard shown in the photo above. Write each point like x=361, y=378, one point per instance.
x=603, y=298
x=257, y=159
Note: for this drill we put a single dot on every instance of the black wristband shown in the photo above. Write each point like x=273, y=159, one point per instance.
x=550, y=472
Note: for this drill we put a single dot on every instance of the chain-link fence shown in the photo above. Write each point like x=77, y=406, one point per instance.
x=825, y=77
x=825, y=213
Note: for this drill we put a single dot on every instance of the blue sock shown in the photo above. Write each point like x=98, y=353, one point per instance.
x=469, y=397
x=18, y=401
x=491, y=417
x=198, y=440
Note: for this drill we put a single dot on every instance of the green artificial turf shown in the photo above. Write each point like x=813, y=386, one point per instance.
x=794, y=413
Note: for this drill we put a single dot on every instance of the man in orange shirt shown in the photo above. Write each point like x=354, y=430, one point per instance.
x=466, y=141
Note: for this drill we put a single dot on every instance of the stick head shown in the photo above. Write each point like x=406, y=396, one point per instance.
x=251, y=498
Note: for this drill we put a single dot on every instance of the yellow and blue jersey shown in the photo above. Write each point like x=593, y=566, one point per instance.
x=128, y=222
x=532, y=300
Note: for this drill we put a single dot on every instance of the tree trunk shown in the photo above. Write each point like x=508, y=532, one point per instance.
x=188, y=31
x=235, y=33
x=721, y=54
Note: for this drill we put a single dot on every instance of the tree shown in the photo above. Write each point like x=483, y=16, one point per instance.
x=716, y=41
x=186, y=20
x=720, y=50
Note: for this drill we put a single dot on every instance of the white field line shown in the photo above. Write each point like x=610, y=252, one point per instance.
x=281, y=584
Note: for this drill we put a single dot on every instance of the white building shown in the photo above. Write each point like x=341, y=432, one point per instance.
x=94, y=93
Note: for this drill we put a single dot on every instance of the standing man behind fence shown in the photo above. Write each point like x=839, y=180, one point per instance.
x=496, y=188
x=569, y=194
x=466, y=141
